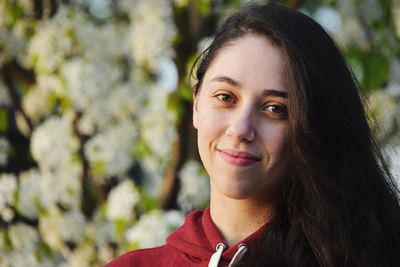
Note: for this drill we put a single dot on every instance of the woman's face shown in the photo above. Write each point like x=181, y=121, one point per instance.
x=243, y=94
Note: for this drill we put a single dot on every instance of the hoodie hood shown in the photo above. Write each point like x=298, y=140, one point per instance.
x=198, y=239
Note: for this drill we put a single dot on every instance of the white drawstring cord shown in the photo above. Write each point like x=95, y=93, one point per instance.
x=238, y=255
x=214, y=260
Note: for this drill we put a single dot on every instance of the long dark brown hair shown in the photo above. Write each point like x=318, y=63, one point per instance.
x=339, y=205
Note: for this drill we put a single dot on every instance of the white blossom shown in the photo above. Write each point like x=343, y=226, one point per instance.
x=353, y=30
x=63, y=187
x=23, y=237
x=104, y=232
x=52, y=43
x=152, y=31
x=7, y=214
x=30, y=193
x=382, y=112
x=50, y=83
x=8, y=189
x=88, y=80
x=153, y=228
x=121, y=201
x=73, y=226
x=57, y=227
x=157, y=124
x=54, y=143
x=31, y=100
x=81, y=256
x=45, y=90
x=13, y=39
x=195, y=187
x=24, y=240
x=110, y=152
x=43, y=190
x=103, y=236
x=125, y=102
x=108, y=42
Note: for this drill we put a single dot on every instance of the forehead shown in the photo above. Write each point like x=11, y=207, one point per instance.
x=253, y=61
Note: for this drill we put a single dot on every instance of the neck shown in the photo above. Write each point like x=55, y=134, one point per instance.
x=238, y=218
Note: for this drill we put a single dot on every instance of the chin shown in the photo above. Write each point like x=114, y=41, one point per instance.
x=238, y=192
x=242, y=191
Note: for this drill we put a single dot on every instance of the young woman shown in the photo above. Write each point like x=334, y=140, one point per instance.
x=296, y=177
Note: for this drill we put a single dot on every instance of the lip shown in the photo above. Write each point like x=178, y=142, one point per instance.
x=238, y=158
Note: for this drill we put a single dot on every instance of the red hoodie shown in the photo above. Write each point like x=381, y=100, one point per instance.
x=195, y=243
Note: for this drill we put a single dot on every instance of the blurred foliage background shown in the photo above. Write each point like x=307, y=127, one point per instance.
x=97, y=151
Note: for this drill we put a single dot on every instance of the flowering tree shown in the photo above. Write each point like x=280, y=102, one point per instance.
x=97, y=151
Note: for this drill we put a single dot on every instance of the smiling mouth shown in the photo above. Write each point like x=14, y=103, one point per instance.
x=238, y=158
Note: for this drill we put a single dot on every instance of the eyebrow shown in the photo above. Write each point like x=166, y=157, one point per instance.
x=234, y=83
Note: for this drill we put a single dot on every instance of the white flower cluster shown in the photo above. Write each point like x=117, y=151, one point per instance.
x=40, y=191
x=353, y=29
x=8, y=192
x=54, y=143
x=153, y=228
x=110, y=152
x=195, y=187
x=121, y=104
x=13, y=35
x=383, y=110
x=52, y=43
x=152, y=31
x=57, y=227
x=101, y=89
x=121, y=201
x=85, y=82
x=157, y=123
x=24, y=241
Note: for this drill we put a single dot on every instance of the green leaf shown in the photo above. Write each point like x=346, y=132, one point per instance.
x=120, y=227
x=3, y=121
x=148, y=203
x=377, y=71
x=203, y=6
x=98, y=168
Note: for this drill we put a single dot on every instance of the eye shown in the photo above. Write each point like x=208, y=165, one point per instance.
x=225, y=98
x=275, y=109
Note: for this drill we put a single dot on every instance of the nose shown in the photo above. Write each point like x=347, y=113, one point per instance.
x=241, y=125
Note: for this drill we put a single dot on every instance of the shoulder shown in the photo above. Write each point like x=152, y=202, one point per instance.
x=143, y=257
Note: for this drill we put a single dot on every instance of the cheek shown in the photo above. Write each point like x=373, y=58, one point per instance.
x=209, y=120
x=208, y=126
x=274, y=140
